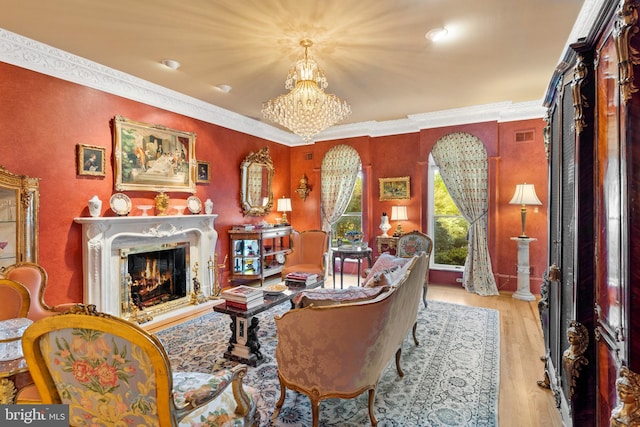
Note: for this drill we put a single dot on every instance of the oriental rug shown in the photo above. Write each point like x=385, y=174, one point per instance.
x=451, y=378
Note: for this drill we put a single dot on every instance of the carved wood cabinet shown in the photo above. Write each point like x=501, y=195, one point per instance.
x=590, y=307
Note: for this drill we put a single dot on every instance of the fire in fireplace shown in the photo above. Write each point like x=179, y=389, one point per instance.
x=156, y=275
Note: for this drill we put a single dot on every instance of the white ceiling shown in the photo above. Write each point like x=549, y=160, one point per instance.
x=373, y=52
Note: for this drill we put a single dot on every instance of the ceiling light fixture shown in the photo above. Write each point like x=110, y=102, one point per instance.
x=171, y=63
x=224, y=88
x=436, y=34
x=306, y=110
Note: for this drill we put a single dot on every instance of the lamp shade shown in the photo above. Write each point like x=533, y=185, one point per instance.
x=399, y=213
x=284, y=205
x=525, y=195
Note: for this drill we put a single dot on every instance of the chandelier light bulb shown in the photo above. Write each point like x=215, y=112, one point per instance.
x=306, y=110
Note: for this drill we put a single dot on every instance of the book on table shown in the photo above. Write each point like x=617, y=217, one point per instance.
x=242, y=294
x=244, y=306
x=300, y=279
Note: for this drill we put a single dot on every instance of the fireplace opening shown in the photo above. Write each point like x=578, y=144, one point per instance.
x=156, y=275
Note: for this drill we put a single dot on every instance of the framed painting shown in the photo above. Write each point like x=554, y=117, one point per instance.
x=153, y=157
x=91, y=160
x=395, y=188
x=203, y=172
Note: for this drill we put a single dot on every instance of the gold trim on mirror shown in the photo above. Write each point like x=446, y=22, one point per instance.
x=256, y=173
x=19, y=205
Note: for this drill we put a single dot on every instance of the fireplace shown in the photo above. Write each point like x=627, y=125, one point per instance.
x=170, y=254
x=154, y=277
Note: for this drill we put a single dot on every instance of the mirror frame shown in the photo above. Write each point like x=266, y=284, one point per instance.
x=261, y=158
x=27, y=206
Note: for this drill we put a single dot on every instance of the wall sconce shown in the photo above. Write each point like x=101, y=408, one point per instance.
x=525, y=195
x=398, y=213
x=284, y=206
x=303, y=189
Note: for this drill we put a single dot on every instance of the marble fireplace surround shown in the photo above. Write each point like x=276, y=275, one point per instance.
x=105, y=238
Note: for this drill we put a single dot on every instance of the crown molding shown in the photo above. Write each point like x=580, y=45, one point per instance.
x=39, y=57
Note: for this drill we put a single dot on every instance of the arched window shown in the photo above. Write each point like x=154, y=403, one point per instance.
x=339, y=174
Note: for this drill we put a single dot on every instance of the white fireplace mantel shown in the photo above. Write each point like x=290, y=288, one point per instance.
x=103, y=239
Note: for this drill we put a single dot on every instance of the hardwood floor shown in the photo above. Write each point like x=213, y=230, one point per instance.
x=522, y=402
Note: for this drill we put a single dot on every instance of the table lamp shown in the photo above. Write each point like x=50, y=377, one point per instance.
x=525, y=195
x=284, y=206
x=398, y=213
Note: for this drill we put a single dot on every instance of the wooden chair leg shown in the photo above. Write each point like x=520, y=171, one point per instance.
x=315, y=413
x=372, y=398
x=398, y=353
x=415, y=337
x=283, y=393
x=424, y=296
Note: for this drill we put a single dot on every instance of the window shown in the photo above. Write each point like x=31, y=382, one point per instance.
x=351, y=219
x=449, y=228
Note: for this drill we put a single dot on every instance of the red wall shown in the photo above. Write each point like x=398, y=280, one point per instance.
x=42, y=119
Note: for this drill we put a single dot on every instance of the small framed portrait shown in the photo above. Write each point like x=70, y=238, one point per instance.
x=395, y=188
x=203, y=172
x=91, y=160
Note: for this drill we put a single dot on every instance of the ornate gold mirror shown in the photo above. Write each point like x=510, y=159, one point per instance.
x=256, y=175
x=19, y=198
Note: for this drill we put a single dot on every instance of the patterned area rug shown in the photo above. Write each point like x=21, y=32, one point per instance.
x=451, y=378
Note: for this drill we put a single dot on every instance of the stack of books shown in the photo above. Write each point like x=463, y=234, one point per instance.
x=243, y=297
x=300, y=279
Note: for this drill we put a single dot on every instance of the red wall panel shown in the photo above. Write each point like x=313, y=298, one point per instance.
x=42, y=119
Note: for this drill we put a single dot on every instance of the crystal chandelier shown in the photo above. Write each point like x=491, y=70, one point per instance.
x=306, y=110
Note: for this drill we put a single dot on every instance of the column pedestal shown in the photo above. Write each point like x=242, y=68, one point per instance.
x=524, y=285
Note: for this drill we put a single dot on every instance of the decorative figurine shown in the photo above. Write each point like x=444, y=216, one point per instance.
x=384, y=225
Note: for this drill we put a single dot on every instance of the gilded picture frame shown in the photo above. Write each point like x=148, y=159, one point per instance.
x=151, y=157
x=395, y=188
x=91, y=160
x=203, y=175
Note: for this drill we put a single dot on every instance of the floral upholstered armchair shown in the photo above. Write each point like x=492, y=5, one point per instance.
x=112, y=372
x=412, y=243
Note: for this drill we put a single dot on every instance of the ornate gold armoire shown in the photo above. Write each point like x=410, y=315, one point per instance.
x=590, y=310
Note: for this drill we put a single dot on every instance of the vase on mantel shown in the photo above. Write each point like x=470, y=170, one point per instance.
x=95, y=206
x=208, y=206
x=384, y=224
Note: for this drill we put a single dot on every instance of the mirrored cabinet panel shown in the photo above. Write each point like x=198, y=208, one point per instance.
x=19, y=197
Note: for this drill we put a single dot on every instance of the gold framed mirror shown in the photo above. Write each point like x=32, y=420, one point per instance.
x=256, y=176
x=19, y=204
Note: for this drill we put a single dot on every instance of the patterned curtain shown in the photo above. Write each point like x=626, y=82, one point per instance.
x=338, y=175
x=462, y=159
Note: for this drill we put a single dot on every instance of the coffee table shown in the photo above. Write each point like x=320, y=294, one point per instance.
x=244, y=346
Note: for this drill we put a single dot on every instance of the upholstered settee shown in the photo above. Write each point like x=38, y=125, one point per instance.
x=340, y=348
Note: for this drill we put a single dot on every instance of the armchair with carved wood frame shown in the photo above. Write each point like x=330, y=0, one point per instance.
x=113, y=372
x=34, y=277
x=15, y=300
x=308, y=254
x=412, y=243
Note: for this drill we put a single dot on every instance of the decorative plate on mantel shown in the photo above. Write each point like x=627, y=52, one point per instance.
x=120, y=203
x=194, y=204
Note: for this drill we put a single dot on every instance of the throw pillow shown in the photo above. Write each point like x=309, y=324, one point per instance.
x=322, y=297
x=384, y=262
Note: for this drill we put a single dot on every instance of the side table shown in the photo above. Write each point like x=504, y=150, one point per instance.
x=524, y=271
x=388, y=242
x=356, y=253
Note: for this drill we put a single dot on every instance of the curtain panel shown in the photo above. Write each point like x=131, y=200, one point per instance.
x=462, y=159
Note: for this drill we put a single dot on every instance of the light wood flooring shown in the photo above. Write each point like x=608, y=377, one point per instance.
x=522, y=402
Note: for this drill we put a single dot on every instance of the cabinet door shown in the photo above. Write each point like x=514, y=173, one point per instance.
x=610, y=194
